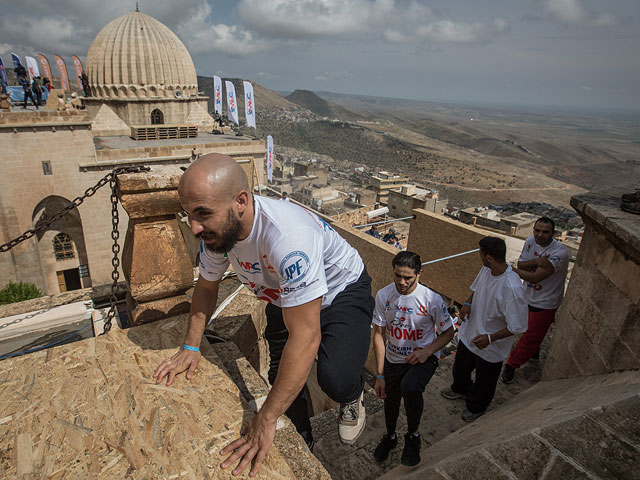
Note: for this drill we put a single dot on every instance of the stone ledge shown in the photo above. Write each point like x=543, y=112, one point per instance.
x=622, y=228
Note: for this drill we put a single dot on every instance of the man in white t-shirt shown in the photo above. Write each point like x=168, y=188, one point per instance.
x=318, y=296
x=495, y=311
x=411, y=314
x=543, y=266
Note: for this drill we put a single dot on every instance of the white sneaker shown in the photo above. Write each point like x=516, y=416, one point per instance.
x=351, y=420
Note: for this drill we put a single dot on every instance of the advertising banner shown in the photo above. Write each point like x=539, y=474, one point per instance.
x=32, y=68
x=44, y=64
x=77, y=65
x=217, y=95
x=62, y=71
x=232, y=103
x=269, y=158
x=249, y=104
x=3, y=74
x=16, y=60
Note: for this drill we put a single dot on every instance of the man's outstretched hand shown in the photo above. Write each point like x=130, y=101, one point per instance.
x=252, y=446
x=177, y=363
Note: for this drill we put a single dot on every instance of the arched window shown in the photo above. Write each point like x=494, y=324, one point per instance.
x=157, y=117
x=63, y=246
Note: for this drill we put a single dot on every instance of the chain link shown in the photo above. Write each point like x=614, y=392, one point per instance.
x=109, y=178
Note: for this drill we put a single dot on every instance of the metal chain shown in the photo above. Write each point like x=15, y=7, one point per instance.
x=109, y=178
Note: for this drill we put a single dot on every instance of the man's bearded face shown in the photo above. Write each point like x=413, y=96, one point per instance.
x=225, y=238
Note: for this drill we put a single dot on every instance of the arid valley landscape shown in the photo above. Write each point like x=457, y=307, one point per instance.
x=472, y=155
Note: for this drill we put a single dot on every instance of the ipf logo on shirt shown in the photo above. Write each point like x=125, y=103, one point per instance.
x=294, y=266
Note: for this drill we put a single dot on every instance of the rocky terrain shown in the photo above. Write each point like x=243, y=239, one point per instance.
x=473, y=156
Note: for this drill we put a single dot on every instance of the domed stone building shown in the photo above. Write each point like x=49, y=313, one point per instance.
x=141, y=77
x=140, y=71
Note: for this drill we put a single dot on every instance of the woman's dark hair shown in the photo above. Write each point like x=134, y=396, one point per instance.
x=407, y=259
x=495, y=247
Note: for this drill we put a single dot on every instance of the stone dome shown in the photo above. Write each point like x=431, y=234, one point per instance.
x=136, y=56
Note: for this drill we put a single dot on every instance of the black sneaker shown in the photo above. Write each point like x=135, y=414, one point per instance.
x=508, y=373
x=387, y=444
x=411, y=450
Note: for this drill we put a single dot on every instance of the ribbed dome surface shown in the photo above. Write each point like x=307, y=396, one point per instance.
x=136, y=56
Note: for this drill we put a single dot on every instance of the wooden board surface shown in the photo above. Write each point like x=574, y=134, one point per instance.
x=92, y=410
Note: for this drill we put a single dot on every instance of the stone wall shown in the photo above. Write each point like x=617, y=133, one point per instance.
x=64, y=140
x=579, y=428
x=434, y=236
x=598, y=324
x=138, y=111
x=354, y=217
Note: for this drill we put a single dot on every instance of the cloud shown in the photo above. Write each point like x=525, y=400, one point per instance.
x=574, y=12
x=334, y=76
x=266, y=75
x=70, y=27
x=391, y=20
x=232, y=40
x=447, y=31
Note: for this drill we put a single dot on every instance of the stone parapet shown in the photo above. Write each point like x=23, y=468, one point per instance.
x=74, y=117
x=598, y=324
x=573, y=428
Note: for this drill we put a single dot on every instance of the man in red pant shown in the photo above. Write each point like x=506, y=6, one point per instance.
x=543, y=266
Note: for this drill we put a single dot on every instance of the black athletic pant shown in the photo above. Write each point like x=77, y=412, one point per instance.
x=479, y=393
x=346, y=329
x=403, y=380
x=28, y=94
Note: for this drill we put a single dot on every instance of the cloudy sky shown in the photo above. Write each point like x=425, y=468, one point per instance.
x=564, y=53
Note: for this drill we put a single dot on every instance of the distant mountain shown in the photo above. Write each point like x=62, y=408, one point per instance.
x=321, y=107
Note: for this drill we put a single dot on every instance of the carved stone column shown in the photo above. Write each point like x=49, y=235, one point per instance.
x=155, y=260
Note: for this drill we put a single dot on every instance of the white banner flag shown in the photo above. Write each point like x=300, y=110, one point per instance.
x=217, y=95
x=32, y=67
x=232, y=103
x=249, y=105
x=269, y=158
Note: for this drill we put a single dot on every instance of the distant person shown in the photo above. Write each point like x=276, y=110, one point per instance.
x=543, y=266
x=62, y=106
x=285, y=197
x=36, y=86
x=373, y=231
x=391, y=234
x=75, y=103
x=411, y=314
x=46, y=83
x=495, y=311
x=20, y=71
x=84, y=80
x=28, y=93
x=318, y=296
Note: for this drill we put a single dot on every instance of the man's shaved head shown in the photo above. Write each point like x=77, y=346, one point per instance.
x=215, y=172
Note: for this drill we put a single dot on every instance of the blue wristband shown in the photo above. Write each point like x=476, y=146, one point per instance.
x=380, y=377
x=467, y=303
x=191, y=349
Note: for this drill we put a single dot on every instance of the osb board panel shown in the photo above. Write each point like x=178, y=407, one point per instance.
x=92, y=410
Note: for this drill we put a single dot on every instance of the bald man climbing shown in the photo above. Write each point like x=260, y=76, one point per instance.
x=318, y=296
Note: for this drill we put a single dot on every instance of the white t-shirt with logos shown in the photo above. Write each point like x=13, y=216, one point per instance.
x=498, y=302
x=411, y=320
x=547, y=293
x=290, y=257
